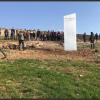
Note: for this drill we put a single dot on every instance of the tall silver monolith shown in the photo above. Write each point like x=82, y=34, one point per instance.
x=70, y=32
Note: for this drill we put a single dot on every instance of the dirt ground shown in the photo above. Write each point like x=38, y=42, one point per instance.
x=51, y=50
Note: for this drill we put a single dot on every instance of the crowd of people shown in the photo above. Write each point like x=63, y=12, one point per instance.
x=93, y=38
x=54, y=36
x=27, y=35
x=35, y=35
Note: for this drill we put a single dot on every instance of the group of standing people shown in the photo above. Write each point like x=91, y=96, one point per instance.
x=35, y=35
x=38, y=35
x=43, y=35
x=25, y=35
x=9, y=35
x=92, y=38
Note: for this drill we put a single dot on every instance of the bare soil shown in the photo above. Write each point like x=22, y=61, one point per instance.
x=49, y=50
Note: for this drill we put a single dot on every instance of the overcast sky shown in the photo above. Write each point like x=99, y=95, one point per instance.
x=49, y=15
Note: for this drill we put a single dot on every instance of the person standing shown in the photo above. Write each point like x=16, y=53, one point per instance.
x=84, y=37
x=0, y=33
x=21, y=40
x=92, y=39
x=99, y=36
x=12, y=34
x=6, y=32
x=96, y=36
x=38, y=34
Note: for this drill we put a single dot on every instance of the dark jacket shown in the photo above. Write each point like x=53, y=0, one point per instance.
x=21, y=36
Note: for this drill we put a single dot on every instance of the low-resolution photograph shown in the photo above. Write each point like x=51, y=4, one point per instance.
x=49, y=50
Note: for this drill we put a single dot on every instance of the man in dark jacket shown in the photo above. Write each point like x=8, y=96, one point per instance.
x=38, y=34
x=96, y=36
x=99, y=36
x=92, y=39
x=21, y=40
x=6, y=32
x=12, y=34
x=84, y=37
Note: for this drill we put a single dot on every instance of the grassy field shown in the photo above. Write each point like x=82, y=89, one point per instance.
x=28, y=78
x=51, y=72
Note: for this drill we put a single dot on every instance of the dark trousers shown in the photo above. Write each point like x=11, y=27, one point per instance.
x=21, y=44
x=92, y=45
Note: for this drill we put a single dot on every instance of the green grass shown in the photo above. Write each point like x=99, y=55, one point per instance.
x=49, y=79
